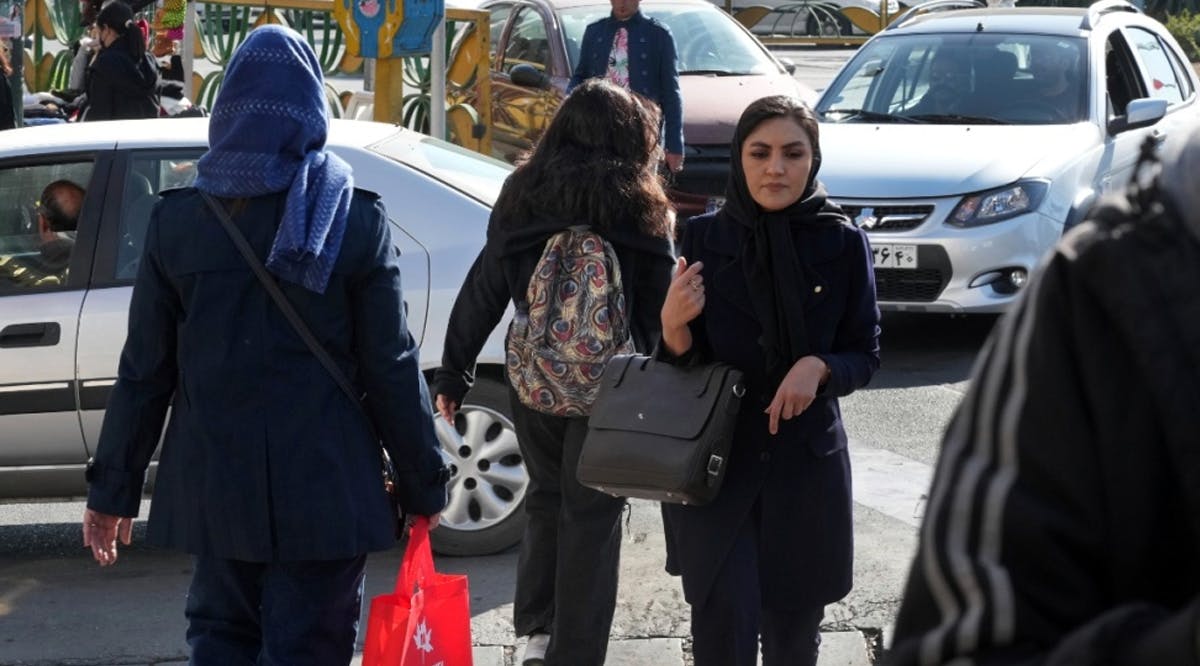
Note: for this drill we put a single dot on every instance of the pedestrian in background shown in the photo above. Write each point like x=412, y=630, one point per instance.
x=781, y=286
x=8, y=113
x=594, y=166
x=637, y=53
x=1063, y=525
x=122, y=81
x=269, y=474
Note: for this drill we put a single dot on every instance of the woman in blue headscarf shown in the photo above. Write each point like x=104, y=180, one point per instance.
x=269, y=474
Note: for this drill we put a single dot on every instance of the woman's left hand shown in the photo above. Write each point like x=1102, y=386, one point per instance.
x=796, y=391
x=101, y=532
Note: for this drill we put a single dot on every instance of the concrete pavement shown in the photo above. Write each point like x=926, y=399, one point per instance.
x=843, y=648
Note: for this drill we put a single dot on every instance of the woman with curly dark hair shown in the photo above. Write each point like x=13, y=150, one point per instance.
x=595, y=167
x=121, y=82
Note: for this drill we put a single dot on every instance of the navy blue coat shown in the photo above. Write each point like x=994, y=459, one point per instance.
x=800, y=477
x=264, y=458
x=653, y=67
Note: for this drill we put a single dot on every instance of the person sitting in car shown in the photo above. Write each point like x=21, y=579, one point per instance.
x=57, y=216
x=1052, y=65
x=949, y=86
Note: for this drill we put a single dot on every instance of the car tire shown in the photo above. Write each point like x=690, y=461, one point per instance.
x=828, y=24
x=486, y=512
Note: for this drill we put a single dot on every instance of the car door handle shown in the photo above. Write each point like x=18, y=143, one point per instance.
x=44, y=334
x=1159, y=136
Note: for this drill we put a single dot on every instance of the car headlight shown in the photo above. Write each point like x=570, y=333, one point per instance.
x=998, y=204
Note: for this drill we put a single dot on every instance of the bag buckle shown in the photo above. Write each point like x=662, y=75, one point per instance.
x=714, y=464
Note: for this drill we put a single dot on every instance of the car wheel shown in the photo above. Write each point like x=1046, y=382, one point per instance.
x=827, y=23
x=486, y=512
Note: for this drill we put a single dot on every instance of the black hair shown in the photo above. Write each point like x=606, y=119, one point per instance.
x=118, y=16
x=597, y=163
x=780, y=106
x=60, y=204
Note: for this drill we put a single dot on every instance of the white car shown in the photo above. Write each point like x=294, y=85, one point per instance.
x=60, y=344
x=1036, y=113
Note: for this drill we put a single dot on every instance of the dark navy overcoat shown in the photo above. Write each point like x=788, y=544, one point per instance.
x=799, y=479
x=264, y=458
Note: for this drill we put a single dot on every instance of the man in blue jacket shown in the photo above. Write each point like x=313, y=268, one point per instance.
x=637, y=53
x=270, y=474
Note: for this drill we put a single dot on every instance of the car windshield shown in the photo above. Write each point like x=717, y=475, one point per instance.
x=972, y=78
x=707, y=41
x=475, y=175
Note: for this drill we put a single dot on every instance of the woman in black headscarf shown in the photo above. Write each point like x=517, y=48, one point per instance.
x=781, y=286
x=121, y=82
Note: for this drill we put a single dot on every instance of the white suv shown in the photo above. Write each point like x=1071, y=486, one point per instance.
x=965, y=142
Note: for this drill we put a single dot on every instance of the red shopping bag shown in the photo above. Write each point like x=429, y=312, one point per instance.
x=426, y=621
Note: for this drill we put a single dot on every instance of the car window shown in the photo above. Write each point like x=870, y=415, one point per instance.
x=1160, y=77
x=527, y=43
x=145, y=179
x=707, y=40
x=1181, y=68
x=497, y=17
x=37, y=236
x=962, y=78
x=1121, y=79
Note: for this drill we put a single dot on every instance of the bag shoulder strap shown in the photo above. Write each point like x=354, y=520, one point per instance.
x=285, y=306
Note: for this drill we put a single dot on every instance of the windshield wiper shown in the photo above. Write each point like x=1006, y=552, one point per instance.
x=871, y=116
x=712, y=72
x=959, y=119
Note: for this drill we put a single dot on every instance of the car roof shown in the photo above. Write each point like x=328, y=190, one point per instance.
x=159, y=133
x=1064, y=21
x=569, y=4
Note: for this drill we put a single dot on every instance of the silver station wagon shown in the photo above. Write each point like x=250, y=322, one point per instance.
x=966, y=141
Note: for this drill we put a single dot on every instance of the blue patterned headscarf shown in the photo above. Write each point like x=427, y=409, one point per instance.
x=267, y=134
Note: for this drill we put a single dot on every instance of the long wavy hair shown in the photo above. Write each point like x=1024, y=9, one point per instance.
x=596, y=163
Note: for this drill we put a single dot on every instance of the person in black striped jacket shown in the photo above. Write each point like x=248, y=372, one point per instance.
x=1063, y=524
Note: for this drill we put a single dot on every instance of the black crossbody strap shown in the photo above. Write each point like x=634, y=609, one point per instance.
x=285, y=306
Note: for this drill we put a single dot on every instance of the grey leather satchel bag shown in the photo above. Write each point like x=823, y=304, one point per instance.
x=660, y=431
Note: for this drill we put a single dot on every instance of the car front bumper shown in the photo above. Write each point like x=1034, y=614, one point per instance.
x=957, y=270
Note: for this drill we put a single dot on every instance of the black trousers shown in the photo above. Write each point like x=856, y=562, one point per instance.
x=727, y=628
x=274, y=613
x=569, y=559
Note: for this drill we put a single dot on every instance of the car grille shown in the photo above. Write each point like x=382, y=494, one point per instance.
x=921, y=285
x=887, y=218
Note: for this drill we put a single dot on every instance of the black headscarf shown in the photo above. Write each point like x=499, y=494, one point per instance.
x=775, y=274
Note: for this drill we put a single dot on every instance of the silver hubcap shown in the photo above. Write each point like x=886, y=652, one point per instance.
x=488, y=478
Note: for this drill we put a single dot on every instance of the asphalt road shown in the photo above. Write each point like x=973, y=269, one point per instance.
x=58, y=607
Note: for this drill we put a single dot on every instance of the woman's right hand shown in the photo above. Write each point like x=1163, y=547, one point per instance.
x=684, y=302
x=446, y=407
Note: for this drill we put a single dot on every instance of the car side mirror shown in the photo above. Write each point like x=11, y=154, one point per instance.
x=789, y=65
x=529, y=76
x=1141, y=112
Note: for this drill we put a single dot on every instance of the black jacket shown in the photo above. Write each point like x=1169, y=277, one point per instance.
x=1063, y=525
x=8, y=114
x=264, y=457
x=120, y=87
x=501, y=274
x=799, y=479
